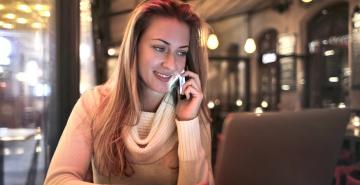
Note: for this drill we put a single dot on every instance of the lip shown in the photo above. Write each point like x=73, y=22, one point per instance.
x=162, y=77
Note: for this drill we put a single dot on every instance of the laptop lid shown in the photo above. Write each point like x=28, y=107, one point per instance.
x=282, y=148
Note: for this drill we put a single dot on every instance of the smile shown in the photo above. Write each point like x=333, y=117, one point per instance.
x=162, y=77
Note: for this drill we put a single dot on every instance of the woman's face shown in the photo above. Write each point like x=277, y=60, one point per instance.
x=162, y=52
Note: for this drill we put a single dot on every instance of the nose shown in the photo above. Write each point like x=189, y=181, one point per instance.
x=170, y=62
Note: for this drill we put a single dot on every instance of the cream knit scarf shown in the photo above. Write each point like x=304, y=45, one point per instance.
x=161, y=138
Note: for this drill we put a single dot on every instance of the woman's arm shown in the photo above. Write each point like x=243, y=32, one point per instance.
x=72, y=157
x=194, y=153
x=194, y=137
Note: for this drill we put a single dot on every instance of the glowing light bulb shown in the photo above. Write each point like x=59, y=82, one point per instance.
x=238, y=103
x=8, y=26
x=341, y=105
x=250, y=46
x=264, y=104
x=40, y=7
x=258, y=110
x=9, y=16
x=211, y=105
x=306, y=1
x=24, y=8
x=111, y=51
x=212, y=42
x=356, y=121
x=22, y=21
x=36, y=25
x=45, y=13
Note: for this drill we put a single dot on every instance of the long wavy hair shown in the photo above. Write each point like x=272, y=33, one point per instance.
x=122, y=106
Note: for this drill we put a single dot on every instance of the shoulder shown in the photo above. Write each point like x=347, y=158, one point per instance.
x=96, y=94
x=92, y=98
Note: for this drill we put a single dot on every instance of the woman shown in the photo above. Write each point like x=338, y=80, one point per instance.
x=134, y=129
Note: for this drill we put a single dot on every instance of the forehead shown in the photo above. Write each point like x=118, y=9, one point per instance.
x=169, y=29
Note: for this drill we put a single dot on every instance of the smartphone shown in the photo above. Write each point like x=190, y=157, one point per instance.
x=181, y=82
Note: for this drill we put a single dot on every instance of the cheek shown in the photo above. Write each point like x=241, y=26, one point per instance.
x=146, y=58
x=181, y=63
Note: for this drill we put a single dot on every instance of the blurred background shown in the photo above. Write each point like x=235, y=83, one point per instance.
x=273, y=55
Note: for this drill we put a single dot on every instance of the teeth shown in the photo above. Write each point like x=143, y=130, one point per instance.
x=162, y=75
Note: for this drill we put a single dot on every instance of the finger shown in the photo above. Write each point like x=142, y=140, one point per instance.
x=192, y=75
x=191, y=82
x=188, y=94
x=191, y=91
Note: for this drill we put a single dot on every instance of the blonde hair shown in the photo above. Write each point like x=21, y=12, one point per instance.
x=122, y=106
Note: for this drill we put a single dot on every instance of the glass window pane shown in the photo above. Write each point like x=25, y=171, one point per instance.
x=24, y=89
x=87, y=60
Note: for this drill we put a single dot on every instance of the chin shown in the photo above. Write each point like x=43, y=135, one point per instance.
x=159, y=88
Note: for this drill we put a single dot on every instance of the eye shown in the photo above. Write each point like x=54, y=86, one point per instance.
x=158, y=48
x=181, y=53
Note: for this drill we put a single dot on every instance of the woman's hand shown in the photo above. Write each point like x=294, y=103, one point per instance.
x=188, y=108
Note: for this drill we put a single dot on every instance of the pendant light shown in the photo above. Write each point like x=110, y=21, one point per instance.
x=250, y=46
x=212, y=42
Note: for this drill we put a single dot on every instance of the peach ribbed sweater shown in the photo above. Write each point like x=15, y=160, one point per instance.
x=162, y=150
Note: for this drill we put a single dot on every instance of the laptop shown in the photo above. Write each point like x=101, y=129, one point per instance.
x=283, y=148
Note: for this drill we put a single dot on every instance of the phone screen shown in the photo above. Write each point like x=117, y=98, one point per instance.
x=181, y=82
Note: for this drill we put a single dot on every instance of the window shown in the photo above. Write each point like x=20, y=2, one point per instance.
x=269, y=79
x=25, y=87
x=327, y=70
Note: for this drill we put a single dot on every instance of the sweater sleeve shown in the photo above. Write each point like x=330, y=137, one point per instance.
x=194, y=152
x=72, y=157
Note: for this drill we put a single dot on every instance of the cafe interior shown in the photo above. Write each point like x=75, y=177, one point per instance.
x=264, y=56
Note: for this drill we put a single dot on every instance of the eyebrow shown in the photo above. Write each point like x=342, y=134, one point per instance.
x=167, y=43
